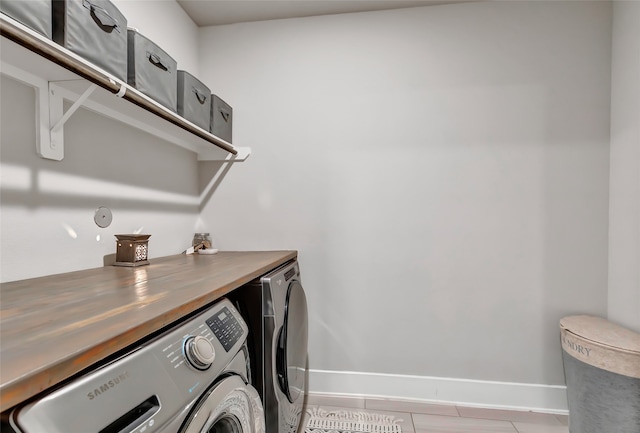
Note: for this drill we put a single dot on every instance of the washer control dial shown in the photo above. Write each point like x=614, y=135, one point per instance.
x=199, y=352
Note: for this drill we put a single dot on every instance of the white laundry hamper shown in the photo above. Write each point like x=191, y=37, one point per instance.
x=602, y=371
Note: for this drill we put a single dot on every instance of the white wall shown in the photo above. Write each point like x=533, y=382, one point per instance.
x=47, y=207
x=624, y=211
x=443, y=172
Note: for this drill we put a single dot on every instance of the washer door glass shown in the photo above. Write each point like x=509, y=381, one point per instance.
x=291, y=355
x=229, y=406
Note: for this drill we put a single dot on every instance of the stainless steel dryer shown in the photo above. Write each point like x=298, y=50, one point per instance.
x=192, y=378
x=275, y=308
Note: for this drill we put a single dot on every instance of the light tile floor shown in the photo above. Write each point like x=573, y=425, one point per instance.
x=435, y=418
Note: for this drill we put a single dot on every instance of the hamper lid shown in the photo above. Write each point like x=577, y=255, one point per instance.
x=602, y=332
x=602, y=344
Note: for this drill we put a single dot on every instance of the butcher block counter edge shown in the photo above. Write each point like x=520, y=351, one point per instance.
x=56, y=326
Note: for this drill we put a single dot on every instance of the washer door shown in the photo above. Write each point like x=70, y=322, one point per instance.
x=291, y=354
x=229, y=406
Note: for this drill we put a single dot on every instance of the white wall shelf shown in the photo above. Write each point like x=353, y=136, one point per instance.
x=57, y=74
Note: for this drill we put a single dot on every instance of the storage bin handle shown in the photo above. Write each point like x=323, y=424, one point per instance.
x=225, y=114
x=201, y=97
x=101, y=17
x=156, y=61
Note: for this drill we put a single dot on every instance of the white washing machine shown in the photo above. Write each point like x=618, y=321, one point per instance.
x=192, y=378
x=275, y=308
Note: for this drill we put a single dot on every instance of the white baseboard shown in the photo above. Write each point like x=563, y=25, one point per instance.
x=461, y=392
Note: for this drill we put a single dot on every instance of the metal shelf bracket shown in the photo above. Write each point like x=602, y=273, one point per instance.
x=44, y=146
x=49, y=111
x=57, y=118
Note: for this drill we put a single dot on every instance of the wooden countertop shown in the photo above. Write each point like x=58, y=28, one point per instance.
x=53, y=327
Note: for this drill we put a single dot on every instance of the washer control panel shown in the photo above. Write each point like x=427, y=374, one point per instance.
x=226, y=328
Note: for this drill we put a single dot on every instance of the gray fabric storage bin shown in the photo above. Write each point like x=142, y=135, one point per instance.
x=35, y=14
x=194, y=100
x=221, y=118
x=152, y=71
x=95, y=30
x=602, y=371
